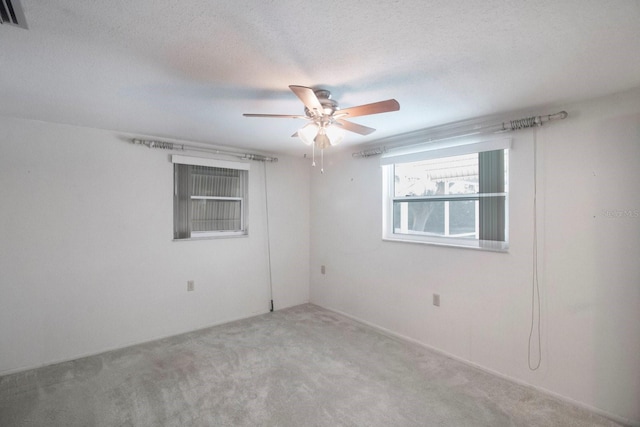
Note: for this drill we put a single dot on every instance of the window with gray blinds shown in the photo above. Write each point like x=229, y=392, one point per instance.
x=209, y=201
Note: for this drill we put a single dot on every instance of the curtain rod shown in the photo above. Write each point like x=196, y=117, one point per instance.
x=456, y=129
x=163, y=145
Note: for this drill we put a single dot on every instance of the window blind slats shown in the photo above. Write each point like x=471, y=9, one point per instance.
x=208, y=199
x=216, y=182
x=181, y=205
x=492, y=209
x=215, y=215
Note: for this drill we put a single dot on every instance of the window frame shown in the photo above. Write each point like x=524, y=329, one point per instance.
x=243, y=199
x=438, y=150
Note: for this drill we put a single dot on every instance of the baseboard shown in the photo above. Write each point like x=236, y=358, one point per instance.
x=613, y=417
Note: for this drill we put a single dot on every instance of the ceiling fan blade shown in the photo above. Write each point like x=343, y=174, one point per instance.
x=354, y=127
x=277, y=116
x=308, y=98
x=375, y=108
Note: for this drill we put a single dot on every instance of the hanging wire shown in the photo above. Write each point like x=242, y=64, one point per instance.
x=535, y=284
x=266, y=208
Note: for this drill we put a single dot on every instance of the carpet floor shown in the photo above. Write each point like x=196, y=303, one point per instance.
x=303, y=366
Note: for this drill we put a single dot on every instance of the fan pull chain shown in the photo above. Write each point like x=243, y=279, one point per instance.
x=322, y=160
x=313, y=154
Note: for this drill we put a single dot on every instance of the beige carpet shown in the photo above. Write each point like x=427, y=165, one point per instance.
x=304, y=366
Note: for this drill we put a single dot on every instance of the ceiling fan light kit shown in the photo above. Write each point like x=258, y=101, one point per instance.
x=308, y=133
x=322, y=136
x=327, y=122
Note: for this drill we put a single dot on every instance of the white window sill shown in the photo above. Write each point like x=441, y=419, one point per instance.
x=482, y=245
x=211, y=236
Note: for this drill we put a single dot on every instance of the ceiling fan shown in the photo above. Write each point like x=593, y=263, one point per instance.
x=326, y=120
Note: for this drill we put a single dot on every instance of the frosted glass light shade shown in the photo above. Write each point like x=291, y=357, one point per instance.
x=308, y=133
x=323, y=137
x=335, y=134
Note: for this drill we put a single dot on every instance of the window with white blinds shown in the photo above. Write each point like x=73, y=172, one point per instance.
x=452, y=193
x=210, y=198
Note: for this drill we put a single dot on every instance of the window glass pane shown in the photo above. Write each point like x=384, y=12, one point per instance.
x=462, y=218
x=428, y=215
x=209, y=201
x=214, y=215
x=450, y=175
x=219, y=182
x=418, y=216
x=456, y=218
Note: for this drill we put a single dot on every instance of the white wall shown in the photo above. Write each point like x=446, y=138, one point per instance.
x=589, y=263
x=288, y=183
x=87, y=262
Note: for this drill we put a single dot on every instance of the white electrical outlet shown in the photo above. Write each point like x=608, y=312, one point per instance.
x=190, y=285
x=436, y=300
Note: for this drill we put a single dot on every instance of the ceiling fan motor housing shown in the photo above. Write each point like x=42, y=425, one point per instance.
x=329, y=106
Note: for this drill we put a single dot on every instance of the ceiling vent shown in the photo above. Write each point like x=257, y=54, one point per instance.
x=11, y=13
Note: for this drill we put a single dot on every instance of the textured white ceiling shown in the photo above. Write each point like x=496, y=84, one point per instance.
x=189, y=69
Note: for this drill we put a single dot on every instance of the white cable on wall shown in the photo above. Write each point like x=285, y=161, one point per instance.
x=266, y=209
x=535, y=284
